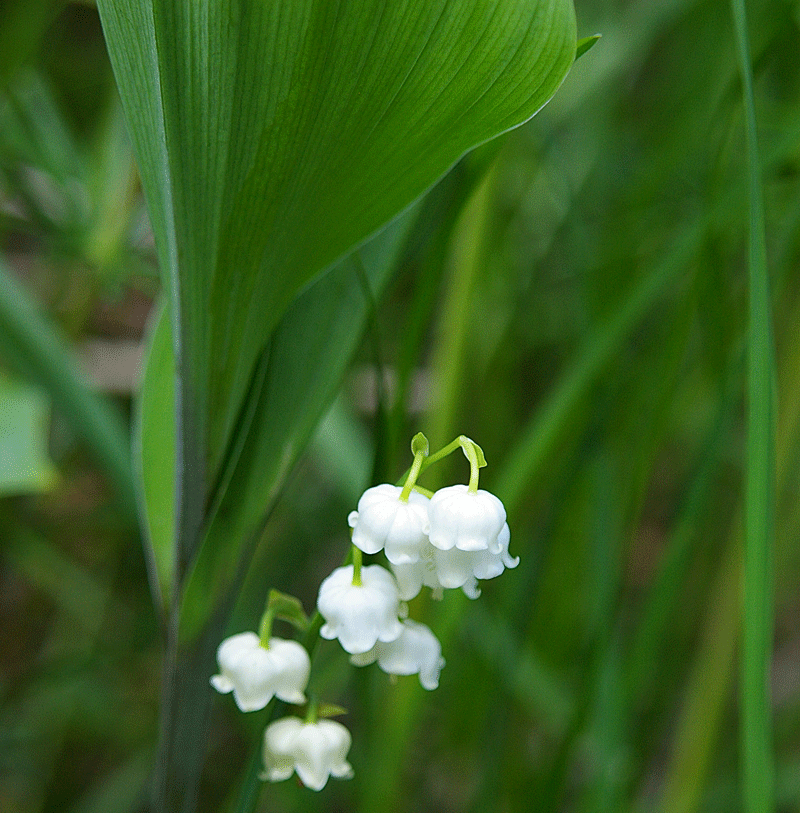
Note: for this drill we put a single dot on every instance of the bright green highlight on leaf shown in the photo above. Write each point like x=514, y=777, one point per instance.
x=155, y=455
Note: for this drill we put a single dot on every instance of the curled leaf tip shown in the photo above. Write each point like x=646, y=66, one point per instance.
x=585, y=44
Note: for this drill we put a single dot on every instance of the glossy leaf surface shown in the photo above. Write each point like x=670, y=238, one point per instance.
x=273, y=137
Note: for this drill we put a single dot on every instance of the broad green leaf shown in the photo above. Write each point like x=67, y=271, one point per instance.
x=304, y=366
x=273, y=137
x=24, y=427
x=308, y=357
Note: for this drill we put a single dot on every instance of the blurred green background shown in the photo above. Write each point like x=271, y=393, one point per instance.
x=575, y=299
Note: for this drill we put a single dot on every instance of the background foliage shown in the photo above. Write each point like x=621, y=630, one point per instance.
x=574, y=297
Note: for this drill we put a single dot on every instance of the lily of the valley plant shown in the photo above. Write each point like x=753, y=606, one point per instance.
x=448, y=539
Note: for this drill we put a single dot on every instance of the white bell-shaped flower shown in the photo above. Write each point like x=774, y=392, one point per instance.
x=315, y=751
x=488, y=565
x=384, y=521
x=449, y=569
x=466, y=520
x=255, y=674
x=456, y=568
x=411, y=576
x=360, y=615
x=416, y=651
x=438, y=570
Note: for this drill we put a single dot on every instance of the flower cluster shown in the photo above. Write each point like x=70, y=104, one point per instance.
x=460, y=536
x=365, y=619
x=258, y=667
x=448, y=539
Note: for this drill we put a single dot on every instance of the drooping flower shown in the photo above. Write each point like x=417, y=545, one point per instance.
x=449, y=569
x=360, y=615
x=488, y=565
x=467, y=520
x=458, y=568
x=255, y=673
x=384, y=521
x=315, y=751
x=416, y=651
x=412, y=576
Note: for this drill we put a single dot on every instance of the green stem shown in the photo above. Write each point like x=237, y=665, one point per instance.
x=357, y=557
x=459, y=309
x=472, y=452
x=474, y=466
x=442, y=453
x=411, y=480
x=311, y=638
x=758, y=769
x=467, y=445
x=312, y=710
x=265, y=627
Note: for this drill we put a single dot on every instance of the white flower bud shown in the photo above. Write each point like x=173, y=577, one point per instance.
x=416, y=651
x=360, y=615
x=255, y=674
x=314, y=750
x=465, y=520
